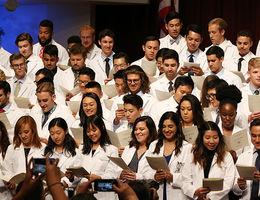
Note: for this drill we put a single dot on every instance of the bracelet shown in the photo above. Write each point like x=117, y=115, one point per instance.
x=54, y=184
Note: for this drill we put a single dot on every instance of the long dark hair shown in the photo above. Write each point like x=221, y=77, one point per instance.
x=82, y=115
x=69, y=144
x=196, y=109
x=4, y=142
x=200, y=151
x=97, y=121
x=152, y=131
x=178, y=136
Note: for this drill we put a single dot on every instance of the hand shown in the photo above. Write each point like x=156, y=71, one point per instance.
x=30, y=106
x=127, y=174
x=253, y=116
x=155, y=194
x=86, y=187
x=125, y=191
x=52, y=172
x=44, y=140
x=160, y=175
x=92, y=176
x=68, y=96
x=257, y=175
x=120, y=113
x=10, y=186
x=120, y=151
x=241, y=183
x=107, y=80
x=197, y=70
x=183, y=70
x=168, y=176
x=202, y=192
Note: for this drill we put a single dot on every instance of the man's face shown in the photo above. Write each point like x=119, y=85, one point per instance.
x=214, y=63
x=4, y=99
x=174, y=28
x=134, y=83
x=254, y=74
x=84, y=79
x=49, y=61
x=120, y=64
x=150, y=49
x=255, y=136
x=19, y=67
x=120, y=85
x=46, y=101
x=193, y=41
x=45, y=35
x=170, y=67
x=216, y=36
x=181, y=91
x=132, y=113
x=243, y=45
x=77, y=61
x=106, y=44
x=25, y=48
x=87, y=39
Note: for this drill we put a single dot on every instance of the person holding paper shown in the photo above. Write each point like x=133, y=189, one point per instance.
x=249, y=189
x=26, y=144
x=208, y=159
x=119, y=83
x=190, y=111
x=175, y=149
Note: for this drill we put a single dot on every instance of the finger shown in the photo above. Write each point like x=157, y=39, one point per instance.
x=119, y=183
x=40, y=177
x=28, y=169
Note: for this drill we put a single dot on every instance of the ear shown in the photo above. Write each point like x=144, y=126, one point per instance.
x=251, y=43
x=11, y=67
x=54, y=97
x=99, y=42
x=141, y=110
x=166, y=26
x=221, y=59
x=222, y=32
x=143, y=47
x=185, y=38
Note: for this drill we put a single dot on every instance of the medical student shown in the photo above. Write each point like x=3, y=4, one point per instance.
x=175, y=149
x=26, y=144
x=208, y=159
x=4, y=143
x=249, y=189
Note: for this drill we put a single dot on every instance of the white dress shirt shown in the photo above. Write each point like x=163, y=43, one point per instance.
x=178, y=46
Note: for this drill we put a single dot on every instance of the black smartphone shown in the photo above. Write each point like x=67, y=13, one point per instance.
x=39, y=165
x=104, y=185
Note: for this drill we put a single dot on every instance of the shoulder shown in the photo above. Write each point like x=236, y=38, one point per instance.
x=245, y=156
x=163, y=38
x=110, y=148
x=153, y=145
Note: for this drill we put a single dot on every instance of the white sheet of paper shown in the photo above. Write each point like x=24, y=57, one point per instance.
x=240, y=75
x=63, y=67
x=207, y=113
x=109, y=90
x=78, y=133
x=198, y=81
x=214, y=184
x=237, y=140
x=246, y=172
x=108, y=103
x=157, y=163
x=161, y=95
x=5, y=120
x=152, y=79
x=74, y=91
x=120, y=139
x=191, y=64
x=74, y=106
x=191, y=134
x=111, y=73
x=78, y=171
x=149, y=67
x=22, y=102
x=120, y=106
x=254, y=103
x=119, y=162
x=5, y=177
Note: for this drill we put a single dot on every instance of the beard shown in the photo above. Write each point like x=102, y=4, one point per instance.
x=43, y=44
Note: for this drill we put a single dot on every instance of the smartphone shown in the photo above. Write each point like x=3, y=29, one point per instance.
x=104, y=185
x=39, y=165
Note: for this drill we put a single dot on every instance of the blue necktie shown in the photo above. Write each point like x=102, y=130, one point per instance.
x=255, y=186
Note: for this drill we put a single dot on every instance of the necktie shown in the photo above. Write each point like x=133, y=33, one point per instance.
x=41, y=52
x=17, y=88
x=255, y=186
x=107, y=66
x=46, y=117
x=239, y=65
x=256, y=92
x=170, y=88
x=217, y=119
x=191, y=58
x=174, y=41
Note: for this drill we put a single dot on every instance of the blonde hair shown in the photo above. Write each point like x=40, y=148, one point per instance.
x=45, y=87
x=253, y=63
x=2, y=76
x=88, y=28
x=220, y=22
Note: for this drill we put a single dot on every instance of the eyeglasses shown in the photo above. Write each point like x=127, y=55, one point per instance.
x=121, y=65
x=210, y=96
x=133, y=80
x=84, y=82
x=18, y=65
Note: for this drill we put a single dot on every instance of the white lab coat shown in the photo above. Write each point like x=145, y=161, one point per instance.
x=165, y=43
x=33, y=65
x=14, y=162
x=60, y=111
x=5, y=193
x=176, y=166
x=245, y=158
x=67, y=78
x=4, y=59
x=258, y=49
x=62, y=53
x=244, y=102
x=92, y=53
x=193, y=174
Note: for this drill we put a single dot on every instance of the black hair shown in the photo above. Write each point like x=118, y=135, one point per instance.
x=5, y=86
x=141, y=189
x=150, y=38
x=69, y=145
x=82, y=115
x=46, y=72
x=83, y=196
x=47, y=23
x=218, y=51
x=134, y=100
x=172, y=15
x=74, y=39
x=183, y=81
x=119, y=74
x=44, y=80
x=121, y=55
x=217, y=84
x=245, y=33
x=106, y=32
x=88, y=71
x=97, y=121
x=194, y=28
x=170, y=54
x=94, y=84
x=255, y=122
x=161, y=52
x=51, y=50
x=4, y=140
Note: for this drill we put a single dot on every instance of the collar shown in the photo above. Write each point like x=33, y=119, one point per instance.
x=7, y=107
x=252, y=89
x=51, y=110
x=176, y=40
x=21, y=80
x=195, y=54
x=220, y=73
x=110, y=57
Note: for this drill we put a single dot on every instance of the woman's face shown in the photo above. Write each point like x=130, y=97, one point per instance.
x=26, y=135
x=211, y=139
x=169, y=129
x=228, y=116
x=57, y=135
x=141, y=132
x=186, y=112
x=89, y=106
x=94, y=134
x=211, y=96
